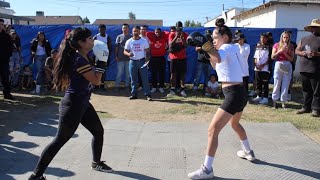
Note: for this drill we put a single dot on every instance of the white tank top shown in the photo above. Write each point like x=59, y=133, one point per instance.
x=40, y=51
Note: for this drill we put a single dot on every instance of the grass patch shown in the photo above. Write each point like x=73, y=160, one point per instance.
x=104, y=115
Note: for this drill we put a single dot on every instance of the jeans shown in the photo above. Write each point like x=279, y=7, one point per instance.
x=123, y=67
x=39, y=62
x=202, y=68
x=14, y=68
x=281, y=80
x=134, y=69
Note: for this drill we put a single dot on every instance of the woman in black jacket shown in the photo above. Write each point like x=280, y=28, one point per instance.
x=40, y=50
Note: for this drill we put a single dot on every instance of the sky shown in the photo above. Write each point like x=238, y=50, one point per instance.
x=170, y=11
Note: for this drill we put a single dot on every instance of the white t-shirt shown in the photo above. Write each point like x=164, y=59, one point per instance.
x=40, y=51
x=137, y=47
x=101, y=38
x=262, y=56
x=244, y=55
x=214, y=85
x=229, y=69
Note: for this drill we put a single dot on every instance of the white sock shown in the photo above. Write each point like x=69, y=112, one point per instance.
x=245, y=145
x=208, y=161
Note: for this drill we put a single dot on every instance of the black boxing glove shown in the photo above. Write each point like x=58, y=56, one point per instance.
x=196, y=39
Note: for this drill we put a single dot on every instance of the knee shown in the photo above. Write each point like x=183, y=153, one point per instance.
x=235, y=125
x=214, y=130
x=99, y=132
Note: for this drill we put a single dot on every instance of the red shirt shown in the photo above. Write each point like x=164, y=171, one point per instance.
x=180, y=54
x=281, y=56
x=157, y=44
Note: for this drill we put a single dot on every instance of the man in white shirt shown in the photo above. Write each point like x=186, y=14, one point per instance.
x=137, y=49
x=262, y=73
x=103, y=36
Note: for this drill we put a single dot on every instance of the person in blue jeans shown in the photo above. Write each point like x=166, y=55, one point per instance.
x=40, y=50
x=137, y=49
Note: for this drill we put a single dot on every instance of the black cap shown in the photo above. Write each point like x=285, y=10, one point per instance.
x=239, y=36
x=179, y=24
x=208, y=31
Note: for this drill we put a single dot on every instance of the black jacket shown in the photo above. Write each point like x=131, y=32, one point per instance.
x=46, y=44
x=5, y=47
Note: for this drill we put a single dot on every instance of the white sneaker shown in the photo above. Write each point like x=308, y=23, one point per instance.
x=252, y=93
x=257, y=99
x=153, y=90
x=202, y=173
x=171, y=94
x=289, y=97
x=161, y=90
x=264, y=101
x=207, y=94
x=248, y=156
x=183, y=93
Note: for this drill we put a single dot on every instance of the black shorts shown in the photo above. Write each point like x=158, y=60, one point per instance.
x=235, y=98
x=178, y=66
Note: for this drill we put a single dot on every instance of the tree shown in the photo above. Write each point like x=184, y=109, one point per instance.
x=132, y=15
x=189, y=23
x=86, y=20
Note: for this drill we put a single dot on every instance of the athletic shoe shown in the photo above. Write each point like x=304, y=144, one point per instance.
x=172, y=93
x=315, y=113
x=101, y=166
x=153, y=90
x=183, y=93
x=133, y=97
x=289, y=97
x=161, y=90
x=257, y=99
x=207, y=94
x=274, y=104
x=149, y=98
x=302, y=111
x=252, y=93
x=202, y=173
x=33, y=177
x=264, y=101
x=284, y=106
x=248, y=156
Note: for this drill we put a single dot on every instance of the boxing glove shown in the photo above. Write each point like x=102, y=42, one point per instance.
x=101, y=52
x=196, y=39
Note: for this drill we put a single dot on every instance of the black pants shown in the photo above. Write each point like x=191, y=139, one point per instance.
x=4, y=75
x=262, y=80
x=245, y=83
x=311, y=91
x=73, y=111
x=158, y=66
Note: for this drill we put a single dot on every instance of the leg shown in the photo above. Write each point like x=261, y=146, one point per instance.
x=237, y=127
x=315, y=83
x=144, y=79
x=154, y=71
x=120, y=68
x=91, y=121
x=134, y=77
x=197, y=75
x=4, y=74
x=127, y=74
x=162, y=68
x=258, y=83
x=306, y=91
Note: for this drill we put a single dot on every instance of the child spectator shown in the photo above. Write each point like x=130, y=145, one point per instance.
x=26, y=78
x=212, y=90
x=48, y=66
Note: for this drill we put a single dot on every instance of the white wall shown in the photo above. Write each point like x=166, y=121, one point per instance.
x=265, y=18
x=229, y=22
x=7, y=11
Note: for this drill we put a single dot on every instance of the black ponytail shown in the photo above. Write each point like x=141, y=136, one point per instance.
x=223, y=29
x=65, y=57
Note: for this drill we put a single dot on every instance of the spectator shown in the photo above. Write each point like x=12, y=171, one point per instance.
x=49, y=66
x=178, y=57
x=40, y=50
x=262, y=73
x=103, y=36
x=26, y=78
x=244, y=56
x=283, y=54
x=5, y=54
x=137, y=49
x=203, y=65
x=293, y=63
x=158, y=44
x=308, y=50
x=122, y=60
x=212, y=88
x=15, y=59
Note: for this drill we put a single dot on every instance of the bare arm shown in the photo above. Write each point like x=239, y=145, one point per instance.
x=127, y=53
x=298, y=50
x=147, y=54
x=93, y=77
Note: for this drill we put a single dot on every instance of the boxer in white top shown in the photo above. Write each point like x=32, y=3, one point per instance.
x=225, y=58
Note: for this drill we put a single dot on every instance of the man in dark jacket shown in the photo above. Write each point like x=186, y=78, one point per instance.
x=5, y=53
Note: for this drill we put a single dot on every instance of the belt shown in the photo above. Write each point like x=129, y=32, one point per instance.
x=138, y=59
